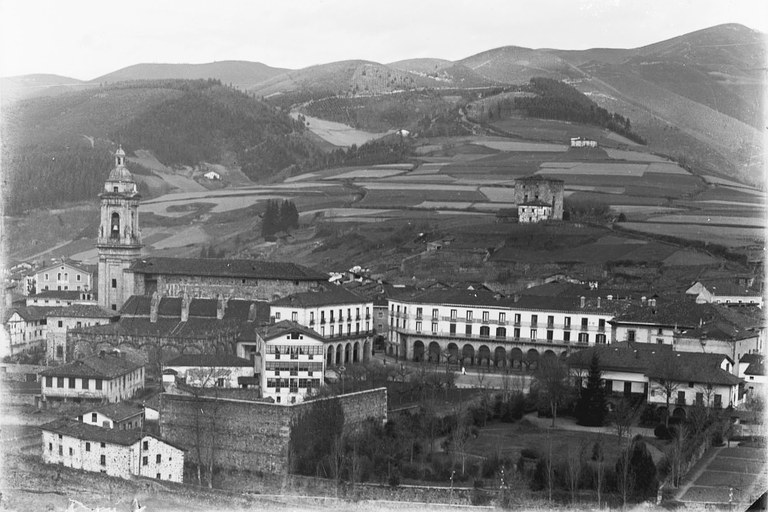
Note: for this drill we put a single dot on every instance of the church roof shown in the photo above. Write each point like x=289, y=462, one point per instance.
x=334, y=296
x=120, y=173
x=209, y=267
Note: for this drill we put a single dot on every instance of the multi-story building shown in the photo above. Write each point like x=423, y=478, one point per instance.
x=341, y=318
x=477, y=327
x=105, y=377
x=657, y=373
x=291, y=359
x=121, y=453
x=538, y=189
x=119, y=416
x=64, y=275
x=53, y=298
x=24, y=329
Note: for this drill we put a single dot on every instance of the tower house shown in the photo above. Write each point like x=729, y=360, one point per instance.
x=119, y=240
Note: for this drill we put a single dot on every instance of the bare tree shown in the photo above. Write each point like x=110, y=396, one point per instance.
x=664, y=378
x=553, y=380
x=599, y=472
x=460, y=438
x=622, y=417
x=206, y=421
x=573, y=463
x=675, y=453
x=624, y=476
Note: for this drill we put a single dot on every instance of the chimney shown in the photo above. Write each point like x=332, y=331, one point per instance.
x=652, y=303
x=582, y=301
x=598, y=303
x=221, y=306
x=185, y=300
x=252, y=312
x=643, y=300
x=517, y=298
x=154, y=303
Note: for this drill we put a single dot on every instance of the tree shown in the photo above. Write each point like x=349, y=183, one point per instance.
x=573, y=466
x=622, y=417
x=636, y=472
x=270, y=220
x=590, y=408
x=460, y=438
x=664, y=378
x=315, y=441
x=552, y=378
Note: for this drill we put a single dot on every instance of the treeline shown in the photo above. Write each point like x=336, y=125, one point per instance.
x=279, y=217
x=556, y=100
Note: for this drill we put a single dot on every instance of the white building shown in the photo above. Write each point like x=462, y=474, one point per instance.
x=64, y=275
x=209, y=370
x=24, y=329
x=534, y=211
x=581, y=142
x=291, y=359
x=725, y=291
x=119, y=416
x=107, y=377
x=470, y=327
x=212, y=175
x=121, y=453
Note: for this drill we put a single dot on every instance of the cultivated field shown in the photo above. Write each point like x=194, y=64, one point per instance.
x=339, y=134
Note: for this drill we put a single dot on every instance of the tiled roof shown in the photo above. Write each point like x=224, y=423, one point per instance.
x=657, y=360
x=81, y=311
x=272, y=331
x=209, y=360
x=28, y=313
x=756, y=368
x=728, y=287
x=119, y=411
x=252, y=269
x=106, y=366
x=86, y=432
x=330, y=297
x=683, y=313
x=71, y=263
x=58, y=294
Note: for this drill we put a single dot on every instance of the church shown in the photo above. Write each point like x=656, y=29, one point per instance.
x=171, y=306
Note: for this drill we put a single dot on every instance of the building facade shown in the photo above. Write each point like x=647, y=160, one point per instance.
x=536, y=190
x=62, y=319
x=212, y=370
x=119, y=416
x=121, y=453
x=106, y=377
x=119, y=241
x=63, y=275
x=24, y=328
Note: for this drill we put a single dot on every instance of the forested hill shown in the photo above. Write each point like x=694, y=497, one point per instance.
x=554, y=99
x=58, y=149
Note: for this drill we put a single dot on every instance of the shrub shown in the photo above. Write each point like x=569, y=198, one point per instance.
x=662, y=432
x=394, y=479
x=529, y=453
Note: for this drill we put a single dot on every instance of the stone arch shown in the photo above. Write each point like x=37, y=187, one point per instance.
x=339, y=356
x=467, y=354
x=418, y=351
x=114, y=225
x=499, y=357
x=453, y=353
x=347, y=353
x=366, y=351
x=563, y=355
x=550, y=354
x=679, y=412
x=356, y=352
x=532, y=359
x=516, y=357
x=434, y=352
x=329, y=356
x=484, y=355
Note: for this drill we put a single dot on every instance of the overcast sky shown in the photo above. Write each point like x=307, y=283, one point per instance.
x=88, y=38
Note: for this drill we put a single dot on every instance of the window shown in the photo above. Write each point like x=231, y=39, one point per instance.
x=517, y=318
x=94, y=417
x=583, y=337
x=452, y=329
x=453, y=314
x=550, y=335
x=159, y=458
x=61, y=450
x=103, y=445
x=418, y=312
x=114, y=283
x=600, y=338
x=517, y=333
x=145, y=461
x=601, y=324
x=71, y=451
x=49, y=380
x=435, y=314
x=469, y=316
x=72, y=382
x=468, y=330
x=98, y=384
x=501, y=332
x=295, y=316
x=486, y=316
x=145, y=445
x=485, y=331
x=418, y=326
x=699, y=398
x=60, y=323
x=58, y=276
x=50, y=447
x=584, y=324
x=77, y=277
x=631, y=335
x=311, y=317
x=551, y=321
x=533, y=334
x=158, y=475
x=434, y=327
x=502, y=318
x=534, y=320
x=46, y=277
x=681, y=397
x=660, y=331
x=84, y=383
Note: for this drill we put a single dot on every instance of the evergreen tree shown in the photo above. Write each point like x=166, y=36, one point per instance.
x=590, y=408
x=289, y=215
x=271, y=219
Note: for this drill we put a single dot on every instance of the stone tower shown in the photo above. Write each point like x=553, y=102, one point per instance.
x=119, y=241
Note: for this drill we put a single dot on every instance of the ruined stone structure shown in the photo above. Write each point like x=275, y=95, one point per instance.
x=250, y=435
x=537, y=191
x=119, y=241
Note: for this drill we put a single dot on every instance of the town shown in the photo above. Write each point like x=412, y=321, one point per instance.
x=207, y=372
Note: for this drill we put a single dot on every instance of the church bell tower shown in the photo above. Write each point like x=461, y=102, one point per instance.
x=119, y=241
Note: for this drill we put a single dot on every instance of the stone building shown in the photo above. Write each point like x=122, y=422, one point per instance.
x=119, y=241
x=537, y=189
x=121, y=453
x=62, y=319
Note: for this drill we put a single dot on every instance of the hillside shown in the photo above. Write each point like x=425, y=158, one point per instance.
x=15, y=88
x=240, y=74
x=513, y=64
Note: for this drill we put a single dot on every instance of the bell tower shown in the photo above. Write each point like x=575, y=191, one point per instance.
x=119, y=241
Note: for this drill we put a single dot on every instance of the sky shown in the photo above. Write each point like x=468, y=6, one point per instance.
x=85, y=39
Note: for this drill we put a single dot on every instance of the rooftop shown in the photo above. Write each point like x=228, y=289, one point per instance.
x=331, y=297
x=60, y=294
x=103, y=366
x=251, y=269
x=81, y=311
x=119, y=411
x=86, y=432
x=272, y=331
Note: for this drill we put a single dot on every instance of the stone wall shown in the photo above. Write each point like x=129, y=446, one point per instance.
x=249, y=435
x=211, y=287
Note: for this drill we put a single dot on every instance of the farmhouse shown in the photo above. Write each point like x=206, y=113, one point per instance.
x=208, y=370
x=658, y=373
x=212, y=175
x=107, y=377
x=582, y=142
x=121, y=453
x=725, y=291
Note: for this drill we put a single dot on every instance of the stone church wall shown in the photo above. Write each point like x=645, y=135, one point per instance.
x=210, y=287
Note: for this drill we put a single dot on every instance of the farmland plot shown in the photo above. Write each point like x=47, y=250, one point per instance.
x=339, y=134
x=511, y=145
x=719, y=220
x=599, y=169
x=499, y=194
x=730, y=236
x=366, y=173
x=633, y=156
